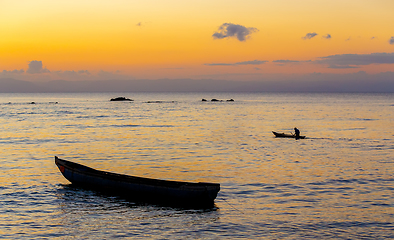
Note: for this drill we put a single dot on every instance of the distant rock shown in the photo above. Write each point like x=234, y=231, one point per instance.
x=217, y=100
x=121, y=99
x=160, y=101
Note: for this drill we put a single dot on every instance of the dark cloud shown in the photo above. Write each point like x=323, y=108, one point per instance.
x=310, y=35
x=139, y=24
x=227, y=30
x=254, y=62
x=354, y=60
x=36, y=67
x=327, y=36
x=391, y=41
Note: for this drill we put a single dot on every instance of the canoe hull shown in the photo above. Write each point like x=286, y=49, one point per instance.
x=284, y=135
x=174, y=193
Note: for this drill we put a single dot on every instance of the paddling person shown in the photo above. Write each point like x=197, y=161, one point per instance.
x=296, y=133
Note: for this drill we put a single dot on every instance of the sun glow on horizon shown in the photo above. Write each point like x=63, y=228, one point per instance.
x=176, y=38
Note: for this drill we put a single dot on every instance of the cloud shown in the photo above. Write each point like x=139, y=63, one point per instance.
x=13, y=72
x=72, y=74
x=355, y=60
x=310, y=36
x=286, y=61
x=327, y=36
x=341, y=66
x=139, y=24
x=253, y=62
x=391, y=41
x=84, y=72
x=36, y=67
x=227, y=30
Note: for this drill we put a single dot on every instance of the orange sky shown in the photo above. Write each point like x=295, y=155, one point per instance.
x=179, y=39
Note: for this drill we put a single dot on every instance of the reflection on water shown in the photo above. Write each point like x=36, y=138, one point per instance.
x=337, y=183
x=84, y=211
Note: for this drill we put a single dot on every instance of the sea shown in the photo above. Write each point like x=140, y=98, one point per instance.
x=338, y=183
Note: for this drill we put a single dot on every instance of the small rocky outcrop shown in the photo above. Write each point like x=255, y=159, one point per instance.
x=119, y=99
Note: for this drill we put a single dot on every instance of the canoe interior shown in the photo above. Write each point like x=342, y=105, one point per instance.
x=175, y=193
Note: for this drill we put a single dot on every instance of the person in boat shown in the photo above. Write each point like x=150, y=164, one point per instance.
x=296, y=132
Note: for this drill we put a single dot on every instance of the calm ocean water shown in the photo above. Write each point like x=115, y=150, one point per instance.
x=336, y=184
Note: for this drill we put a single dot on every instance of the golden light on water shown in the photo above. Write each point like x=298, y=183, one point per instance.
x=339, y=175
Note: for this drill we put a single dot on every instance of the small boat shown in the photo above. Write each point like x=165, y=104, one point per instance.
x=118, y=99
x=170, y=193
x=284, y=135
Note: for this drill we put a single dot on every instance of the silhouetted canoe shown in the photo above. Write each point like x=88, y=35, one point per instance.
x=284, y=135
x=172, y=193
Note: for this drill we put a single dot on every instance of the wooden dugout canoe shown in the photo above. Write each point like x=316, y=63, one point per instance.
x=172, y=193
x=284, y=135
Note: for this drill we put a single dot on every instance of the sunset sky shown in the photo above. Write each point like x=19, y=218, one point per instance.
x=215, y=39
